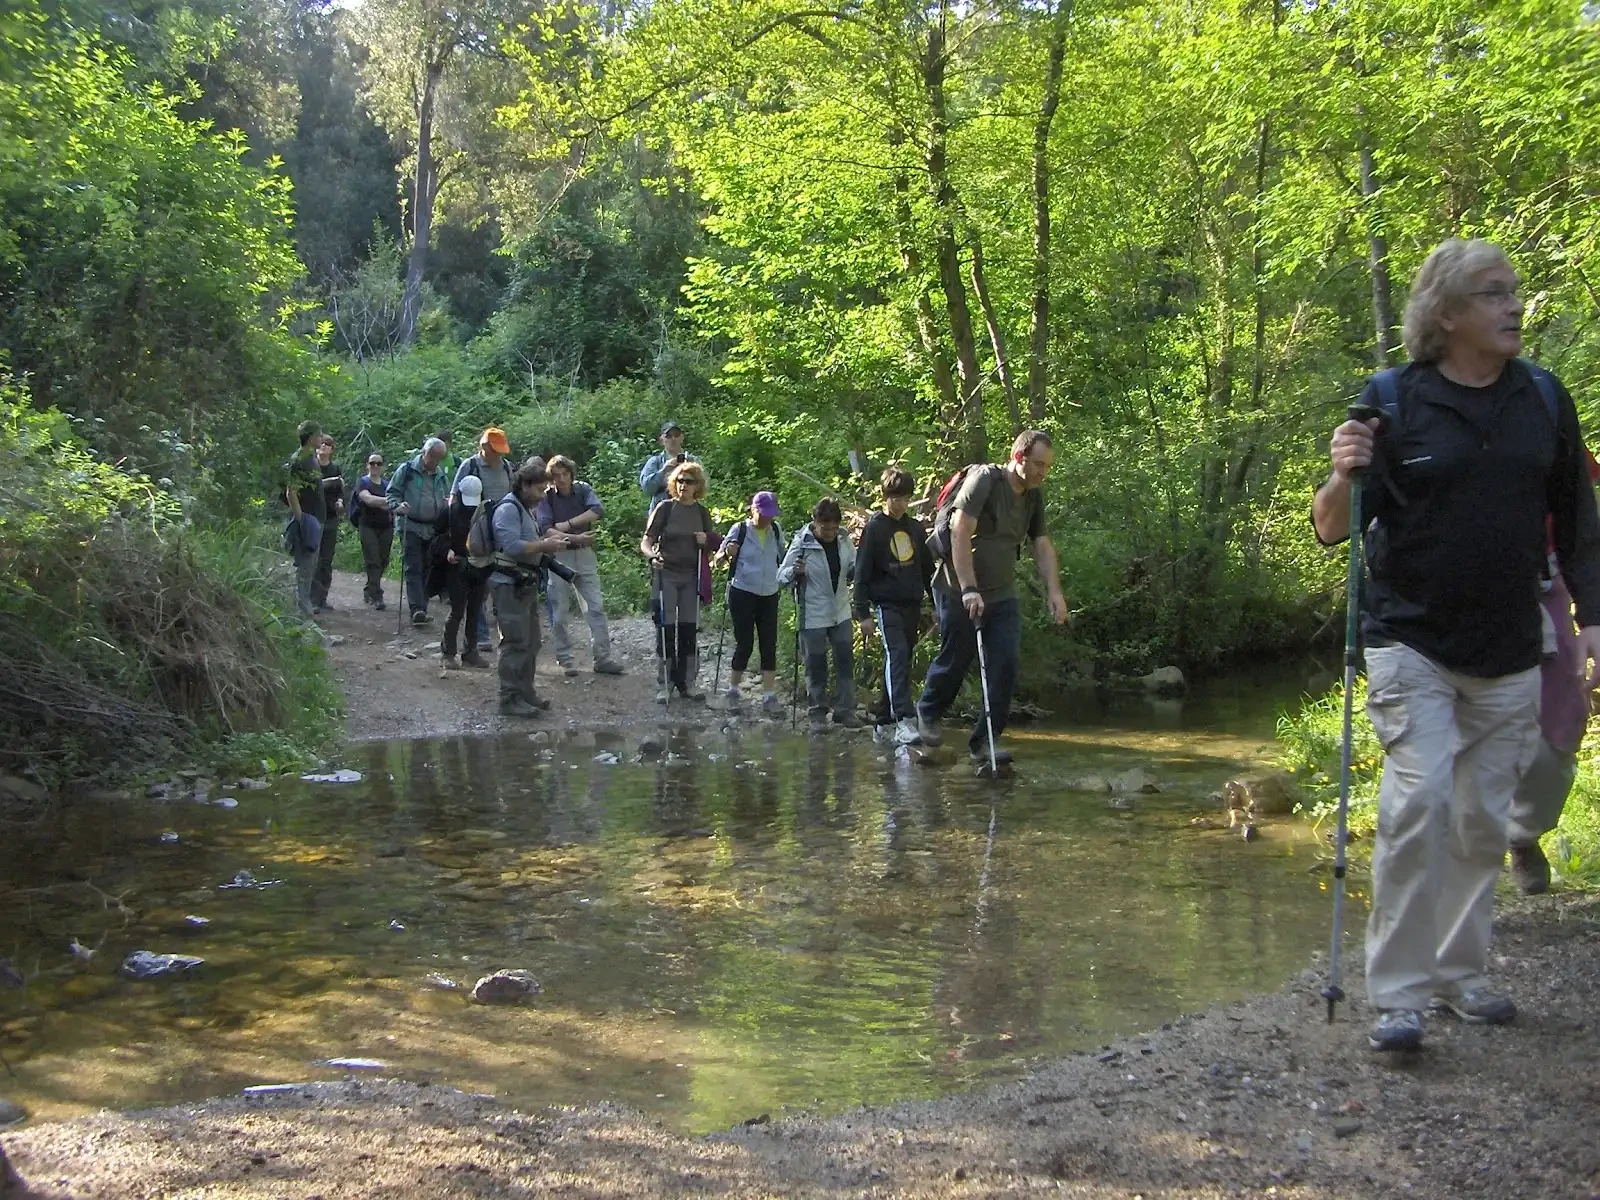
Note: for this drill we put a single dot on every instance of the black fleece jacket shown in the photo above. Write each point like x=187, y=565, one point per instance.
x=1455, y=511
x=894, y=565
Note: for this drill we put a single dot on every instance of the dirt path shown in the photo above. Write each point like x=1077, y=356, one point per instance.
x=392, y=686
x=1257, y=1098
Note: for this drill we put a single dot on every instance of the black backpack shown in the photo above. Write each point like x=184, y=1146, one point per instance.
x=743, y=527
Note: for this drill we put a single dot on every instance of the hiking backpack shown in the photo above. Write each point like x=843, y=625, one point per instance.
x=944, y=506
x=743, y=527
x=480, y=534
x=1386, y=384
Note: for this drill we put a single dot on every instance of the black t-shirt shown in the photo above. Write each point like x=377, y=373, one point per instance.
x=304, y=475
x=1455, y=514
x=830, y=551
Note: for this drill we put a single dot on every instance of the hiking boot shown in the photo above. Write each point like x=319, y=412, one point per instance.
x=1477, y=1006
x=1397, y=1029
x=471, y=659
x=567, y=669
x=771, y=706
x=447, y=664
x=980, y=755
x=419, y=616
x=905, y=732
x=819, y=720
x=541, y=703
x=606, y=667
x=485, y=647
x=517, y=707
x=663, y=694
x=847, y=720
x=1530, y=869
x=928, y=731
x=379, y=604
x=731, y=698
x=693, y=692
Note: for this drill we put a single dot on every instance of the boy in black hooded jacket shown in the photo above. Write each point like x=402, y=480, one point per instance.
x=894, y=569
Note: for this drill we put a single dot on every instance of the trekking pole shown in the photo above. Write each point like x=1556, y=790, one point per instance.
x=1333, y=993
x=400, y=608
x=722, y=633
x=988, y=718
x=658, y=603
x=794, y=674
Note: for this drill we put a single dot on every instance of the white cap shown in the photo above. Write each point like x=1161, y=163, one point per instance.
x=471, y=491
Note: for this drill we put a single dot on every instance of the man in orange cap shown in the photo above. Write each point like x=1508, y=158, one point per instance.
x=492, y=465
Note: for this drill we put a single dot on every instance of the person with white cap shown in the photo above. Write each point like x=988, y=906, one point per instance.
x=755, y=548
x=462, y=582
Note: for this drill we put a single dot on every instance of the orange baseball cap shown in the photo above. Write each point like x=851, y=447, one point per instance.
x=496, y=437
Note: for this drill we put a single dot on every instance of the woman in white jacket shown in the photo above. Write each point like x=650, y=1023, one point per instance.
x=821, y=566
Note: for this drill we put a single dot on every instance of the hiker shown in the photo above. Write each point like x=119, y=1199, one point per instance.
x=658, y=468
x=571, y=506
x=752, y=596
x=518, y=549
x=990, y=513
x=449, y=464
x=821, y=564
x=333, y=503
x=460, y=582
x=1476, y=449
x=300, y=480
x=676, y=540
x=894, y=569
x=419, y=494
x=491, y=464
x=375, y=524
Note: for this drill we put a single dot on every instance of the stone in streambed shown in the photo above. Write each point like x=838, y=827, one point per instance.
x=1134, y=781
x=1262, y=794
x=11, y=1114
x=505, y=987
x=142, y=964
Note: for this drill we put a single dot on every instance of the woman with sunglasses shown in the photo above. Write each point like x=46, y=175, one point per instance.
x=375, y=522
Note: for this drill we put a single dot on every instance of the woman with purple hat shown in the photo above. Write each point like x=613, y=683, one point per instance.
x=755, y=548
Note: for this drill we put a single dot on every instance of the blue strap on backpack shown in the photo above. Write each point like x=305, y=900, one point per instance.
x=1387, y=385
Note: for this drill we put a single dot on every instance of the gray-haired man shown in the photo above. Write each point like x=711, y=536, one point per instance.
x=419, y=494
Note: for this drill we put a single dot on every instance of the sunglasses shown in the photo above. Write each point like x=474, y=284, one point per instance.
x=374, y=462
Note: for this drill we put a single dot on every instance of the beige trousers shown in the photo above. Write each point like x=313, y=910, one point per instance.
x=1455, y=748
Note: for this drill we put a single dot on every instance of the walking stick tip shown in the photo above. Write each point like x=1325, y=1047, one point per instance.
x=1333, y=993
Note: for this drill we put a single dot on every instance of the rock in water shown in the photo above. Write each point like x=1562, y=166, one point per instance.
x=505, y=987
x=11, y=1114
x=342, y=775
x=1131, y=782
x=1164, y=681
x=1262, y=793
x=143, y=964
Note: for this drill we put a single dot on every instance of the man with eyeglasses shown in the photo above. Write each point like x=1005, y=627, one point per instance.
x=1477, y=455
x=375, y=523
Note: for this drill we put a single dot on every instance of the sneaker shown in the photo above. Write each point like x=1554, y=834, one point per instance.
x=517, y=707
x=485, y=647
x=663, y=694
x=980, y=755
x=847, y=720
x=819, y=720
x=731, y=698
x=570, y=671
x=693, y=692
x=905, y=732
x=471, y=659
x=1397, y=1029
x=928, y=731
x=1530, y=870
x=419, y=616
x=771, y=706
x=606, y=667
x=447, y=664
x=1477, y=1006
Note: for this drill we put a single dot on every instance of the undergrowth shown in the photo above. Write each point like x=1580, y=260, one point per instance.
x=1309, y=740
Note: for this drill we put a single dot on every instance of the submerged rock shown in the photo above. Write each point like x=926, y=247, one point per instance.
x=1133, y=781
x=1164, y=681
x=505, y=987
x=143, y=964
x=342, y=775
x=1262, y=794
x=10, y=1114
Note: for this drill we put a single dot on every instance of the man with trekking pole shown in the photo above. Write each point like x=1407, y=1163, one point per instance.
x=1450, y=475
x=985, y=514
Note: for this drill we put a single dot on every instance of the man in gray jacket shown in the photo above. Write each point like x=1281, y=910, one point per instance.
x=653, y=475
x=514, y=587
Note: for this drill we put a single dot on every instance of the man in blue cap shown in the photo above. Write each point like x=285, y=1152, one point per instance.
x=653, y=475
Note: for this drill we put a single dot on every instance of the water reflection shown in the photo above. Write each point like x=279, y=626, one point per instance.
x=722, y=928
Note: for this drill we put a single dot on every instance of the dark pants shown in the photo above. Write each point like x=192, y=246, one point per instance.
x=414, y=558
x=898, y=626
x=753, y=617
x=467, y=588
x=838, y=638
x=958, y=647
x=322, y=577
x=376, y=545
x=516, y=610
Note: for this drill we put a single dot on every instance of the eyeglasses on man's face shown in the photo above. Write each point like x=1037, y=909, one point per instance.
x=1499, y=294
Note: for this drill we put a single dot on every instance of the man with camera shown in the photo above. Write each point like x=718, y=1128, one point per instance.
x=520, y=557
x=653, y=475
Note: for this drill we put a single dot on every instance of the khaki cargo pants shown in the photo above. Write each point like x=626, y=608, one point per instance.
x=1456, y=746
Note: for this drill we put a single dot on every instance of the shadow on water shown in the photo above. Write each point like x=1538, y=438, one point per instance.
x=746, y=923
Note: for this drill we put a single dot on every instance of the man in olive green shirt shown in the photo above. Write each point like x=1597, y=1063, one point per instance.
x=995, y=510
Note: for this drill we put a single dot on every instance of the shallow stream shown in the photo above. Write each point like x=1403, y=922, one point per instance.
x=741, y=925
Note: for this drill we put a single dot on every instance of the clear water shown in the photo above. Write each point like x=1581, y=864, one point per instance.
x=745, y=926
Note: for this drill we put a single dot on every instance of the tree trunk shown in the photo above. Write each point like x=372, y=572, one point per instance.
x=1377, y=258
x=997, y=338
x=425, y=188
x=927, y=325
x=1039, y=329
x=958, y=312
